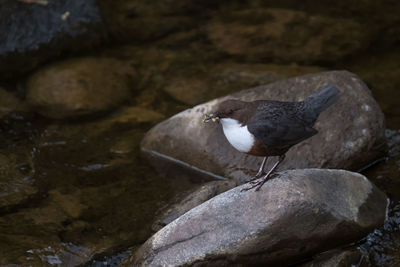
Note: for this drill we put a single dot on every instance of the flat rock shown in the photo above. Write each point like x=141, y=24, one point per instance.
x=80, y=86
x=351, y=132
x=293, y=216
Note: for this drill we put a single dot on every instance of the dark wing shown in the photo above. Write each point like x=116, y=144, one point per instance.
x=279, y=129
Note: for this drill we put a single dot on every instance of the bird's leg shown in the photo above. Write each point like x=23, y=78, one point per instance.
x=266, y=177
x=260, y=171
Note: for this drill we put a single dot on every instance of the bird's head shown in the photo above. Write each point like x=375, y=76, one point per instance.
x=226, y=109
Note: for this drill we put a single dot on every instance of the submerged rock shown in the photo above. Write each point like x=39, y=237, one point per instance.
x=143, y=20
x=294, y=215
x=81, y=86
x=10, y=103
x=351, y=132
x=16, y=180
x=285, y=35
x=200, y=85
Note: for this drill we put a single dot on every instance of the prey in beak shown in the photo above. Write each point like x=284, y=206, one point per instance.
x=210, y=117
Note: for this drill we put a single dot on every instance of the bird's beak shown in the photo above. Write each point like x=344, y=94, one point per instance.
x=210, y=117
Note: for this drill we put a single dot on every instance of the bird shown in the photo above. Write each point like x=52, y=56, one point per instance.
x=266, y=128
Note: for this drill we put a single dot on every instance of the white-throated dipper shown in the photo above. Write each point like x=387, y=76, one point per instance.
x=270, y=128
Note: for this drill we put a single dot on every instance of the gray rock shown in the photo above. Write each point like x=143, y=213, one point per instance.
x=80, y=86
x=32, y=34
x=295, y=215
x=351, y=132
x=200, y=195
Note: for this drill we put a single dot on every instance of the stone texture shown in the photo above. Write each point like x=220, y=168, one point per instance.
x=295, y=215
x=32, y=34
x=81, y=86
x=351, y=132
x=200, y=195
x=284, y=35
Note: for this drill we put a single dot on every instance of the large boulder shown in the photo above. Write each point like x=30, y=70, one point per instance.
x=80, y=86
x=351, y=132
x=294, y=215
x=35, y=32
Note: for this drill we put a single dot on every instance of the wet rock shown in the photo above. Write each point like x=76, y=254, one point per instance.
x=196, y=86
x=200, y=195
x=10, y=103
x=16, y=182
x=284, y=35
x=81, y=86
x=351, y=132
x=296, y=214
x=32, y=34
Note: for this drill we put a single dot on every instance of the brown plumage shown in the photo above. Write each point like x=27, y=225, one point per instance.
x=272, y=127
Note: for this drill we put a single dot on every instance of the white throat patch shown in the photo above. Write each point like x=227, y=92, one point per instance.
x=238, y=136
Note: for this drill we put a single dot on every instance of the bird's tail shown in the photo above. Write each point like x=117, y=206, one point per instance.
x=322, y=99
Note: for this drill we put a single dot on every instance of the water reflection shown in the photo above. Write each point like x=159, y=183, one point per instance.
x=88, y=200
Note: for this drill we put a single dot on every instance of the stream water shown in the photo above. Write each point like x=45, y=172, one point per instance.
x=97, y=196
x=84, y=195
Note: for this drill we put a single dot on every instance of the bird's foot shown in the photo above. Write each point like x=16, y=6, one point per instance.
x=256, y=177
x=255, y=183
